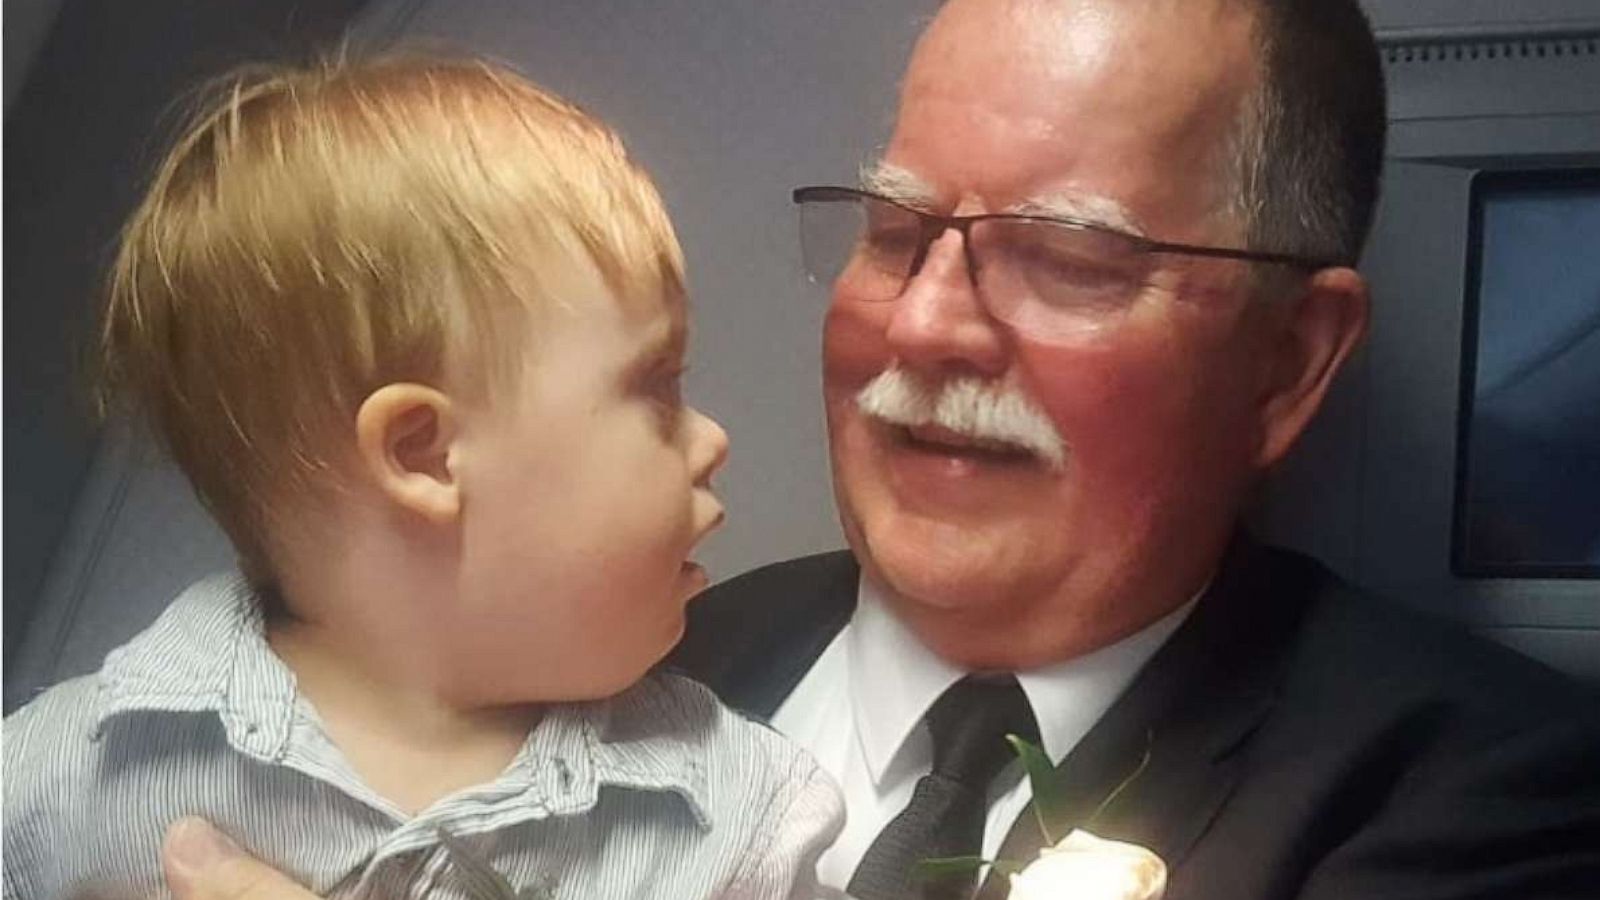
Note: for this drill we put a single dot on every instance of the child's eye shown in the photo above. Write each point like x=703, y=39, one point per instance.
x=665, y=386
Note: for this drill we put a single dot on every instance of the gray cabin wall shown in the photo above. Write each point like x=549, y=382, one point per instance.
x=1473, y=86
x=92, y=90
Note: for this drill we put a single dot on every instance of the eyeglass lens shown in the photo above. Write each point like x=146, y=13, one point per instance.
x=1045, y=276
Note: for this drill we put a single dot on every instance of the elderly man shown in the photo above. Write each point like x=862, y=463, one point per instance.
x=1099, y=283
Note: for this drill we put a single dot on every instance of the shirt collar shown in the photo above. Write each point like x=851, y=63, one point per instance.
x=894, y=679
x=207, y=652
x=1068, y=698
x=652, y=737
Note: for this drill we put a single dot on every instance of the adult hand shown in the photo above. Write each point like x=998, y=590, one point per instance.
x=202, y=863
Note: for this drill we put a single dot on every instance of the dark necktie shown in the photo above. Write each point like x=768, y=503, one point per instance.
x=968, y=724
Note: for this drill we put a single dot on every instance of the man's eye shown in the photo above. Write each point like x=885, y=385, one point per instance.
x=891, y=241
x=1071, y=276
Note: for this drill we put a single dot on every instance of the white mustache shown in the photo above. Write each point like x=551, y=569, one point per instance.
x=970, y=407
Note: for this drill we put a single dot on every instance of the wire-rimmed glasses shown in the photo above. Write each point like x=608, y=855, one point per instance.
x=1044, y=275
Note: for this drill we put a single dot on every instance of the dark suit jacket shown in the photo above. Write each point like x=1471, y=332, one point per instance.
x=1305, y=741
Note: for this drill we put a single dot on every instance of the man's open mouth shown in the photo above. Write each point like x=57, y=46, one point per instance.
x=936, y=439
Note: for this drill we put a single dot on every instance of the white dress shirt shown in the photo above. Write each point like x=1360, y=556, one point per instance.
x=859, y=711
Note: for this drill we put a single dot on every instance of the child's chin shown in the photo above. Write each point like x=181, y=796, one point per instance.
x=692, y=579
x=622, y=682
x=627, y=677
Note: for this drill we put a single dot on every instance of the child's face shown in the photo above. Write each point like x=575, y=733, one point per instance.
x=584, y=492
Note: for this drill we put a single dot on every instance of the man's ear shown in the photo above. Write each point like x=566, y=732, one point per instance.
x=1320, y=332
x=405, y=434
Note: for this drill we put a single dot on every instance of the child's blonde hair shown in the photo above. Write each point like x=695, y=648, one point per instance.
x=318, y=232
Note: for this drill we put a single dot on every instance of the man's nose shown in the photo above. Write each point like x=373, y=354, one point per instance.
x=708, y=447
x=939, y=321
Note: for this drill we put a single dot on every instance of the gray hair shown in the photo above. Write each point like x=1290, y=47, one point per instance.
x=1308, y=150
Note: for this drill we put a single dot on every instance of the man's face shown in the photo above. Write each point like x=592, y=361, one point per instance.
x=1125, y=111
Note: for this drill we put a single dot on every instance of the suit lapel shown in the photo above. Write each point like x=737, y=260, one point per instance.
x=793, y=646
x=753, y=638
x=1190, y=709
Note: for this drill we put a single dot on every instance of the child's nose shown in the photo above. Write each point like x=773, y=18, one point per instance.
x=708, y=448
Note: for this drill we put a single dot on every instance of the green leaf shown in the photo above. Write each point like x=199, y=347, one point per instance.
x=955, y=865
x=947, y=865
x=1149, y=743
x=1048, y=804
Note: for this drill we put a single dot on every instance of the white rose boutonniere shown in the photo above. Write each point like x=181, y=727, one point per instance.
x=1084, y=866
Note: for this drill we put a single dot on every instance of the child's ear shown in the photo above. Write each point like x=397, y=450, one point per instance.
x=404, y=435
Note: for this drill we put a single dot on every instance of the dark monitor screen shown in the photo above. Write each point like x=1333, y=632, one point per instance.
x=1528, y=474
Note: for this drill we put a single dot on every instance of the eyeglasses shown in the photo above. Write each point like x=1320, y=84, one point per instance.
x=1045, y=275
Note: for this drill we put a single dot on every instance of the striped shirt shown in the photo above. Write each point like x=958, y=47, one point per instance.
x=658, y=792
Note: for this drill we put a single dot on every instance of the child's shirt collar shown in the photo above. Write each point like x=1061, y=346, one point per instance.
x=208, y=653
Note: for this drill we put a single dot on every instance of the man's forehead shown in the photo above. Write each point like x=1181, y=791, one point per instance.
x=1187, y=46
x=1052, y=103
x=1077, y=20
